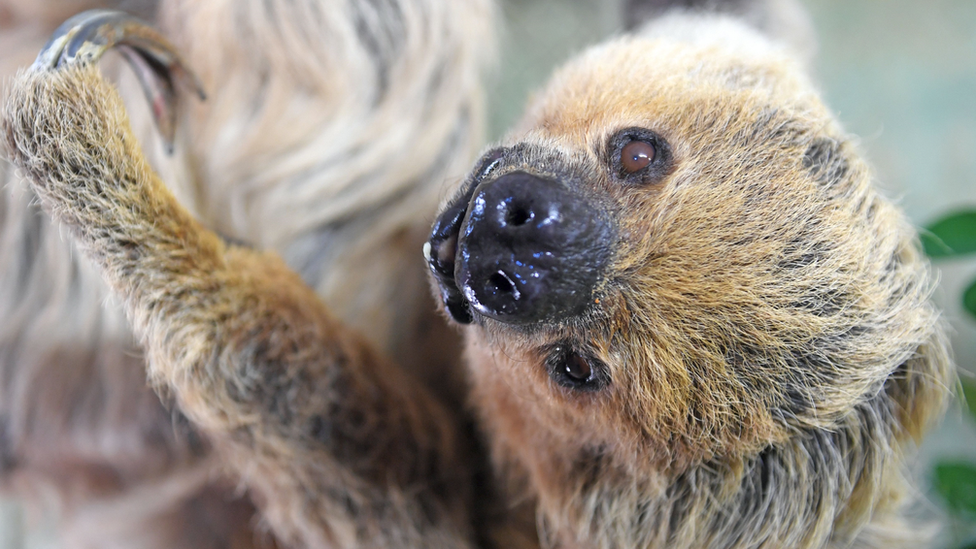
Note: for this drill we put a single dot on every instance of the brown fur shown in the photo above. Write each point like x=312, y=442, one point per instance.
x=82, y=436
x=765, y=323
x=79, y=424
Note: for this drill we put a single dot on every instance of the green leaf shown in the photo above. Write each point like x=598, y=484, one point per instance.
x=956, y=482
x=954, y=234
x=969, y=299
x=969, y=395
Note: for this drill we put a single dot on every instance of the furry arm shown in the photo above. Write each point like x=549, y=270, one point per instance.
x=340, y=448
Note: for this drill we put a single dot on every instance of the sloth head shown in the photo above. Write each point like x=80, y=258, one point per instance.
x=678, y=258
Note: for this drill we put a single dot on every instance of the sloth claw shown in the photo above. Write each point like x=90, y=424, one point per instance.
x=84, y=38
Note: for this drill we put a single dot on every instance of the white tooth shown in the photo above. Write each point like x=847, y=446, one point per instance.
x=426, y=251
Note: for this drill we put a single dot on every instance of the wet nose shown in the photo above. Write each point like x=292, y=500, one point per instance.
x=531, y=250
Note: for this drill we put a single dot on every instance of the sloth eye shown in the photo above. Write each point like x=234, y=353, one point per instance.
x=636, y=155
x=639, y=156
x=575, y=370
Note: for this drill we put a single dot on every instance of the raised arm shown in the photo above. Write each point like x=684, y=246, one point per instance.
x=341, y=448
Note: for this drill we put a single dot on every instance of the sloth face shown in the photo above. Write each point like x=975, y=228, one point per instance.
x=677, y=256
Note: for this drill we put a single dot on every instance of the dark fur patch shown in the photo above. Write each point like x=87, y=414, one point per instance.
x=380, y=30
x=795, y=401
x=815, y=367
x=769, y=127
x=747, y=362
x=804, y=251
x=758, y=487
x=825, y=161
x=823, y=302
x=681, y=492
x=894, y=263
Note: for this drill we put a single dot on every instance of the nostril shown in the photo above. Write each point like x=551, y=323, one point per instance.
x=447, y=250
x=514, y=212
x=440, y=255
x=517, y=216
x=500, y=283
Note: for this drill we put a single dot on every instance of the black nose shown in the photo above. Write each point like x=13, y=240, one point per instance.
x=531, y=250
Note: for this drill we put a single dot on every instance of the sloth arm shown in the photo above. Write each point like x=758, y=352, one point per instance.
x=339, y=447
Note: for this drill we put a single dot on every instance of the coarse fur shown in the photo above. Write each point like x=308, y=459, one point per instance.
x=328, y=136
x=764, y=324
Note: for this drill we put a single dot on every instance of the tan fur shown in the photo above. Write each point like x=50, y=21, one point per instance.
x=324, y=473
x=77, y=418
x=766, y=324
x=82, y=436
x=771, y=348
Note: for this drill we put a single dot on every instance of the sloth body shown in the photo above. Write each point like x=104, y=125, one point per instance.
x=726, y=345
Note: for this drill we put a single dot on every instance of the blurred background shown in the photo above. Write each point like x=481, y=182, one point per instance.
x=900, y=74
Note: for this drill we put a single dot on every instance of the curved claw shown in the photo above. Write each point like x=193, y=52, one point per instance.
x=84, y=38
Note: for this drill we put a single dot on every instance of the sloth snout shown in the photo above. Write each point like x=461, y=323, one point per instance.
x=531, y=250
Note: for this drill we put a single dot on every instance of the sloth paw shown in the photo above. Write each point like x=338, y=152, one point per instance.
x=83, y=39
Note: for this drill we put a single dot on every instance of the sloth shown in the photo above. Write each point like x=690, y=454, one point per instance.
x=689, y=318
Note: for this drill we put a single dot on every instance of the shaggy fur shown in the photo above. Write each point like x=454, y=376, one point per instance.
x=764, y=323
x=328, y=135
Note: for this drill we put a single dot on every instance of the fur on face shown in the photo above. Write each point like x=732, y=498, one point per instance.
x=764, y=327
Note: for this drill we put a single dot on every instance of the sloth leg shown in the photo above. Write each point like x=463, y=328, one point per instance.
x=339, y=447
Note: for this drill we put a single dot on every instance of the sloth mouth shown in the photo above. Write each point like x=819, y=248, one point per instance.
x=441, y=251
